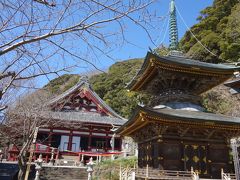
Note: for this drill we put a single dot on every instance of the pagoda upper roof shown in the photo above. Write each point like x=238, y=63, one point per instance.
x=84, y=85
x=143, y=116
x=174, y=68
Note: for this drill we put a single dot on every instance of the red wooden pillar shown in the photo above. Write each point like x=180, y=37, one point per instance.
x=106, y=148
x=57, y=156
x=50, y=137
x=46, y=159
x=120, y=144
x=70, y=141
x=90, y=139
x=79, y=157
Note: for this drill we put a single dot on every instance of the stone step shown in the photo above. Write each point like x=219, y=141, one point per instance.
x=58, y=172
x=209, y=179
x=74, y=158
x=68, y=160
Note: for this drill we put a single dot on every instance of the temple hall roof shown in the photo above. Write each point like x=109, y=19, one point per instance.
x=84, y=85
x=81, y=117
x=80, y=104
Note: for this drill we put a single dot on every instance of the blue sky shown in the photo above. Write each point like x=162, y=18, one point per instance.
x=189, y=9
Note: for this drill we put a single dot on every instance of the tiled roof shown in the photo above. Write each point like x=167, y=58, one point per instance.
x=181, y=62
x=181, y=115
x=83, y=83
x=90, y=117
x=195, y=115
x=233, y=83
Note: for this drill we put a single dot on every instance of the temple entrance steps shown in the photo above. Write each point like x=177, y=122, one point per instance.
x=209, y=179
x=63, y=172
x=69, y=157
x=68, y=160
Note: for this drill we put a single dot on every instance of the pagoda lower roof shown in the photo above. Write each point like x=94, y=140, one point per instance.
x=143, y=115
x=234, y=83
x=174, y=69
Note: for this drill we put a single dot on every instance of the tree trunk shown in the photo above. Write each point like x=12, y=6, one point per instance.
x=22, y=171
x=21, y=174
x=22, y=163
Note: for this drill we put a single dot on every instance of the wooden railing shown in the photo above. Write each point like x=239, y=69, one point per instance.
x=127, y=173
x=227, y=176
x=149, y=173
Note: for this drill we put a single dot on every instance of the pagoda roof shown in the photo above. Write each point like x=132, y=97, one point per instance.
x=234, y=83
x=234, y=86
x=143, y=115
x=84, y=85
x=185, y=66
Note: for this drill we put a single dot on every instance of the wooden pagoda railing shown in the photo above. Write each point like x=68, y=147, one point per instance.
x=127, y=173
x=228, y=176
x=149, y=173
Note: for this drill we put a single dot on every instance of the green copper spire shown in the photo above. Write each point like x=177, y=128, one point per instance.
x=173, y=27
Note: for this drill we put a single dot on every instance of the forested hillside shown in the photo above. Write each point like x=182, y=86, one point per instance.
x=111, y=86
x=218, y=29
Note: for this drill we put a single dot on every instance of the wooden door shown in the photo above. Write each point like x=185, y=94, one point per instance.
x=195, y=156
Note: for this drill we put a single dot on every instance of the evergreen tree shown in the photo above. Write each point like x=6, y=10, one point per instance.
x=219, y=30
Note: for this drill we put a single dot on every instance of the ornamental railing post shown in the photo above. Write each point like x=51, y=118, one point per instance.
x=90, y=168
x=234, y=145
x=51, y=161
x=147, y=173
x=120, y=172
x=38, y=167
x=82, y=160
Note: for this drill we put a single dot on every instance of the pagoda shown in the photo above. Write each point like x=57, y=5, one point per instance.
x=173, y=131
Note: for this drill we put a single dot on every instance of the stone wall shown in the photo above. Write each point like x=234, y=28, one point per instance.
x=64, y=173
x=8, y=171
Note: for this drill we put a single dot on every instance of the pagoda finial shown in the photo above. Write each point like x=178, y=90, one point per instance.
x=173, y=27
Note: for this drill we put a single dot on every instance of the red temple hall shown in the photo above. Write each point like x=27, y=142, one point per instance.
x=77, y=121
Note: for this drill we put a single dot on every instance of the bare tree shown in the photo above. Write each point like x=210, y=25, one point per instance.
x=38, y=37
x=21, y=122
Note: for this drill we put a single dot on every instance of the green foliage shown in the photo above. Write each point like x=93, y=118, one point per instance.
x=219, y=30
x=111, y=86
x=62, y=83
x=109, y=170
x=213, y=101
